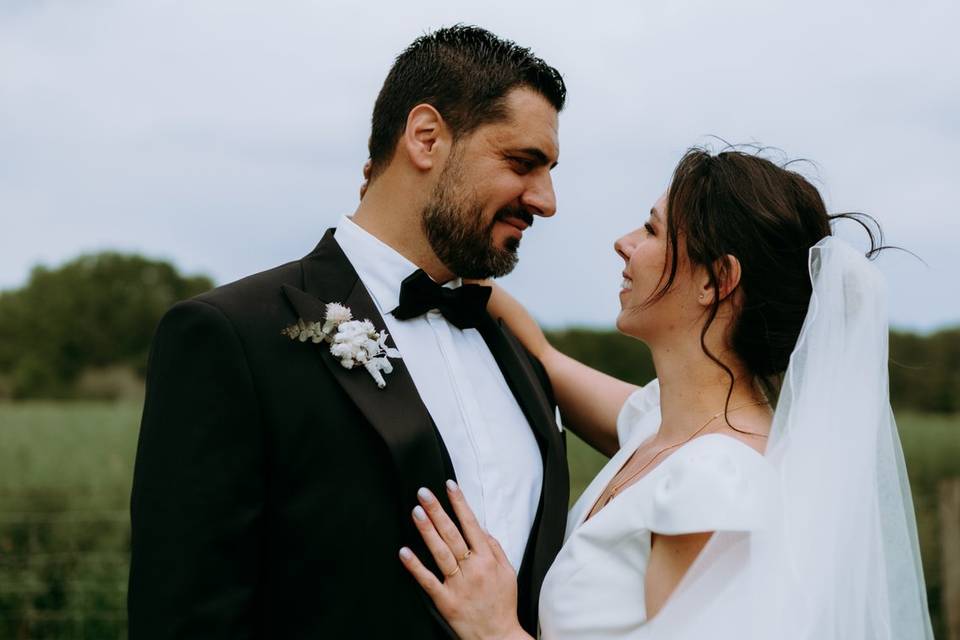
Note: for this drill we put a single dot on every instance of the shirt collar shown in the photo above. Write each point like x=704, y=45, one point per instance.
x=380, y=267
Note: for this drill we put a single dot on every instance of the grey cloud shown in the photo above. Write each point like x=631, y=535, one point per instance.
x=226, y=136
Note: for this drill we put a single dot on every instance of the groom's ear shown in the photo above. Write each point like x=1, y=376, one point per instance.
x=426, y=139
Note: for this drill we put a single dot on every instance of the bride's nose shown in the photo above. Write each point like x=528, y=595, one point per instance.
x=624, y=247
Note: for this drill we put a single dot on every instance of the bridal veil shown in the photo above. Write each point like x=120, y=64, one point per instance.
x=837, y=557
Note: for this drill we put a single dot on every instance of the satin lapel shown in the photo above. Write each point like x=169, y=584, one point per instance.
x=548, y=529
x=396, y=412
x=521, y=379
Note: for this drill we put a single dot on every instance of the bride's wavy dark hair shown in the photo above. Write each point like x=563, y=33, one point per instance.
x=768, y=216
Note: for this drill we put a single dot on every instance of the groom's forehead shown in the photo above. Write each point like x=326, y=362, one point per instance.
x=542, y=145
x=529, y=127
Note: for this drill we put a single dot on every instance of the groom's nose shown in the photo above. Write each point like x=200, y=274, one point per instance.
x=538, y=198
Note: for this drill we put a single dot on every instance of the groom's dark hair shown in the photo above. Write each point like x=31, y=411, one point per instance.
x=465, y=73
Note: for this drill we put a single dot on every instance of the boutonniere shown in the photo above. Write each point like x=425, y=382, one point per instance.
x=352, y=342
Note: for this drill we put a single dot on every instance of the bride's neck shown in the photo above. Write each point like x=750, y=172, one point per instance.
x=693, y=388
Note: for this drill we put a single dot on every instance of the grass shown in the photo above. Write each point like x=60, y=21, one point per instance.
x=65, y=473
x=931, y=446
x=84, y=448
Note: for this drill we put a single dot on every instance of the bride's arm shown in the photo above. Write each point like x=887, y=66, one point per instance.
x=670, y=559
x=589, y=400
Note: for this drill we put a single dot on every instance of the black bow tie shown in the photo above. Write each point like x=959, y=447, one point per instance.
x=463, y=306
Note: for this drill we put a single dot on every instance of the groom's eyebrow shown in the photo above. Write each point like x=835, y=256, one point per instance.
x=538, y=155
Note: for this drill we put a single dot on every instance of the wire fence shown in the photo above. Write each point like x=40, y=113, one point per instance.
x=63, y=574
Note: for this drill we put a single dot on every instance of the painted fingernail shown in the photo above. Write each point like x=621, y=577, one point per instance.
x=405, y=553
x=419, y=513
x=425, y=494
x=452, y=486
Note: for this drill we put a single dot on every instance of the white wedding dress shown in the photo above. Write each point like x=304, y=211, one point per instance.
x=814, y=540
x=595, y=588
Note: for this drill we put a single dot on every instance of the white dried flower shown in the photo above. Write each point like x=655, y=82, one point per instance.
x=337, y=313
x=348, y=330
x=384, y=365
x=352, y=342
x=374, y=371
x=340, y=349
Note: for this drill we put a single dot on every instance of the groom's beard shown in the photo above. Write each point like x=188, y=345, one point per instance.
x=453, y=224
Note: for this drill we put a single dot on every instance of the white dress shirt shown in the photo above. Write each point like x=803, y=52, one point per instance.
x=491, y=445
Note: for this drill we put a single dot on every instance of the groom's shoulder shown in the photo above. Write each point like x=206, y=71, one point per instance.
x=255, y=288
x=246, y=303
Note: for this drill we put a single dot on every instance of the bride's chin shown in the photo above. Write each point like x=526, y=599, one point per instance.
x=626, y=324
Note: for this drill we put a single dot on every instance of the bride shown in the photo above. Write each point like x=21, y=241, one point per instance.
x=718, y=515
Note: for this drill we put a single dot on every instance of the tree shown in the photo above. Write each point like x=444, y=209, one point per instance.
x=924, y=370
x=95, y=311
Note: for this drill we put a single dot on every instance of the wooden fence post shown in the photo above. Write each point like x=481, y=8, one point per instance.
x=950, y=554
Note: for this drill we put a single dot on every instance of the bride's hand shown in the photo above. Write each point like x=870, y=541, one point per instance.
x=478, y=596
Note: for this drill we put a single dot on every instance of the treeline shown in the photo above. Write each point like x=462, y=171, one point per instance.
x=924, y=370
x=84, y=329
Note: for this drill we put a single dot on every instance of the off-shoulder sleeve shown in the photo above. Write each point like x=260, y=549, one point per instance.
x=638, y=405
x=714, y=483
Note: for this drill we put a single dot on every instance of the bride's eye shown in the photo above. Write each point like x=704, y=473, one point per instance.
x=649, y=228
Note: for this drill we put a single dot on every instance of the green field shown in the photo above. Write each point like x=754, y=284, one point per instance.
x=65, y=471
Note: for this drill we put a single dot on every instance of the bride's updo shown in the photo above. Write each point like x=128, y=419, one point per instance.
x=740, y=204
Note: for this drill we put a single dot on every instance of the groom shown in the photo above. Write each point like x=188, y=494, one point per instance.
x=273, y=486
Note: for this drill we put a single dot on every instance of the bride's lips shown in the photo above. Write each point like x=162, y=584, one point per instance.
x=627, y=285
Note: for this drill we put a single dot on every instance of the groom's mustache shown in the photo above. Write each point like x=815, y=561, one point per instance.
x=520, y=214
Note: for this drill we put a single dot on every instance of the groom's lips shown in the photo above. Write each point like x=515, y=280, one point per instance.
x=515, y=228
x=516, y=222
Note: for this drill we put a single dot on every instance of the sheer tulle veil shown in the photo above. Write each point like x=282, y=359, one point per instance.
x=837, y=558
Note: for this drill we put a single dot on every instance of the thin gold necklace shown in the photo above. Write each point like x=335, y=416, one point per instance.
x=614, y=488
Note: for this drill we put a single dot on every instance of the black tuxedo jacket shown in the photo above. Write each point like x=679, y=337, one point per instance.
x=272, y=489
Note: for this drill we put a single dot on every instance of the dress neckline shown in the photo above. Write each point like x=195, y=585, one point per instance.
x=582, y=519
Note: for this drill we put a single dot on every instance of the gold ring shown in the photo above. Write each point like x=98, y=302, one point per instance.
x=453, y=573
x=466, y=555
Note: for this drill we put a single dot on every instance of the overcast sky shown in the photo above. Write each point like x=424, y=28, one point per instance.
x=226, y=136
